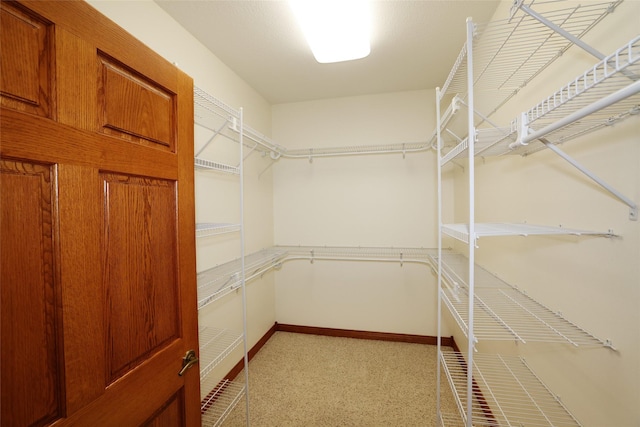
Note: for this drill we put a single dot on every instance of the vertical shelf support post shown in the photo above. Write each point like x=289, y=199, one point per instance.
x=242, y=269
x=472, y=233
x=439, y=321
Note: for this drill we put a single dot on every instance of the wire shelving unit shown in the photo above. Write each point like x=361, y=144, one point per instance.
x=221, y=123
x=500, y=58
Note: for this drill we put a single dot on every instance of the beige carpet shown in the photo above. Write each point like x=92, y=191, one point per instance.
x=310, y=380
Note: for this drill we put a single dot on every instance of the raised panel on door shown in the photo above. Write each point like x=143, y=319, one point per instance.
x=118, y=145
x=31, y=384
x=169, y=415
x=140, y=270
x=26, y=43
x=133, y=107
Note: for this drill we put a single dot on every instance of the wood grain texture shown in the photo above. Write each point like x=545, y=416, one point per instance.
x=134, y=108
x=30, y=296
x=108, y=38
x=187, y=241
x=83, y=148
x=140, y=269
x=76, y=91
x=170, y=415
x=79, y=201
x=26, y=43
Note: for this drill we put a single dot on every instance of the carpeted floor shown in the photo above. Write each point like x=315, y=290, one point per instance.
x=310, y=380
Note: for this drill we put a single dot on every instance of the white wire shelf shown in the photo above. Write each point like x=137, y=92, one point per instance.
x=504, y=312
x=509, y=53
x=215, y=345
x=486, y=140
x=220, y=167
x=220, y=401
x=461, y=231
x=450, y=420
x=212, y=229
x=218, y=281
x=354, y=253
x=218, y=117
x=618, y=72
x=400, y=148
x=506, y=393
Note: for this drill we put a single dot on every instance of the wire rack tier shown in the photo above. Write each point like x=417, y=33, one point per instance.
x=506, y=392
x=358, y=253
x=504, y=312
x=218, y=281
x=207, y=229
x=461, y=231
x=220, y=401
x=216, y=166
x=221, y=122
x=601, y=96
x=401, y=148
x=215, y=345
x=509, y=53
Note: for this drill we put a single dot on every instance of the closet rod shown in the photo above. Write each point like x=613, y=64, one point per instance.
x=365, y=259
x=602, y=103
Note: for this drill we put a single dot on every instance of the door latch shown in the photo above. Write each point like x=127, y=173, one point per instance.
x=188, y=361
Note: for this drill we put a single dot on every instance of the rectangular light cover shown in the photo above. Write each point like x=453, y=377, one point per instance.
x=336, y=30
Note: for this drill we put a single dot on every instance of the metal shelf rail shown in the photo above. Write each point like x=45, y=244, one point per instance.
x=217, y=117
x=211, y=229
x=218, y=281
x=344, y=253
x=217, y=166
x=462, y=231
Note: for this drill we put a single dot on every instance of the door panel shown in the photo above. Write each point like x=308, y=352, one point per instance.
x=140, y=274
x=31, y=357
x=134, y=108
x=26, y=45
x=101, y=283
x=169, y=415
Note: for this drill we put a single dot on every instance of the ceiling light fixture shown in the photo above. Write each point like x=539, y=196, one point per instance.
x=336, y=30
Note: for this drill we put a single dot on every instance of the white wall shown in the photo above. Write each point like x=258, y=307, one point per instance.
x=217, y=195
x=375, y=200
x=594, y=282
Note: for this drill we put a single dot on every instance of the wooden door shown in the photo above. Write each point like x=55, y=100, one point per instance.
x=98, y=281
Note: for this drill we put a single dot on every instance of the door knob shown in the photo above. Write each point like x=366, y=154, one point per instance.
x=188, y=361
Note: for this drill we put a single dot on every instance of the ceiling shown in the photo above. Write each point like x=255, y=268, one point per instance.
x=413, y=46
